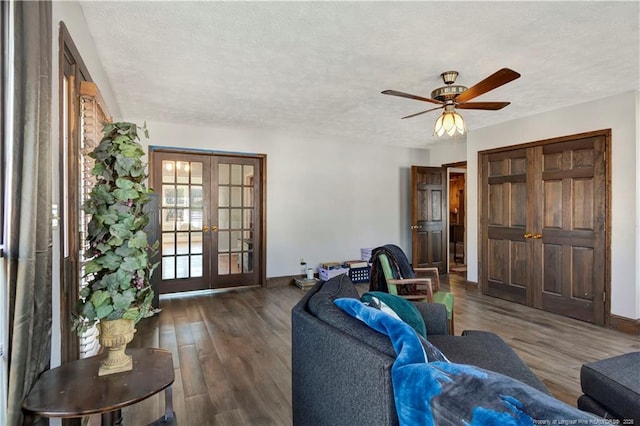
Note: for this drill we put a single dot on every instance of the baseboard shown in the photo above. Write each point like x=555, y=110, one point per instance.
x=281, y=281
x=626, y=325
x=471, y=285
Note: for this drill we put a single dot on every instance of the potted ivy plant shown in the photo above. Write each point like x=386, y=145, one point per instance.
x=118, y=272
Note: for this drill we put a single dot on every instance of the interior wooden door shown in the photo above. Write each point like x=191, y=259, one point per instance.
x=505, y=256
x=571, y=234
x=543, y=225
x=429, y=217
x=211, y=220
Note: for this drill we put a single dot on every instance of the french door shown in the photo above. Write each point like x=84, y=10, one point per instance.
x=211, y=220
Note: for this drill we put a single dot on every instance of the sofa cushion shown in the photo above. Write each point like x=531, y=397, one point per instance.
x=614, y=383
x=406, y=310
x=488, y=351
x=322, y=307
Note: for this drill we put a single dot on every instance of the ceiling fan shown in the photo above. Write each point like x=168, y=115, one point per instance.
x=452, y=96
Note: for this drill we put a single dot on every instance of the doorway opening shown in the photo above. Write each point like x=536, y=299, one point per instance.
x=456, y=206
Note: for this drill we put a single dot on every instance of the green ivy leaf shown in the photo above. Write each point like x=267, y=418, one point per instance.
x=88, y=311
x=132, y=150
x=122, y=301
x=98, y=168
x=115, y=279
x=120, y=230
x=124, y=183
x=104, y=310
x=109, y=218
x=110, y=260
x=131, y=314
x=124, y=165
x=100, y=194
x=125, y=250
x=99, y=297
x=115, y=241
x=97, y=283
x=91, y=267
x=125, y=194
x=84, y=292
x=139, y=240
x=130, y=264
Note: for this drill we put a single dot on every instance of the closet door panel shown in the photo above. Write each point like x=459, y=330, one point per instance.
x=504, y=261
x=572, y=232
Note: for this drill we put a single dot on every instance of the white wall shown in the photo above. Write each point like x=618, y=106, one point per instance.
x=326, y=199
x=620, y=113
x=448, y=151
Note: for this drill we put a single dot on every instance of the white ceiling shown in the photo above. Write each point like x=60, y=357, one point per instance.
x=317, y=68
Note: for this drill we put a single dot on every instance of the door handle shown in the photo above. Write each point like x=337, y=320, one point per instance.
x=537, y=236
x=205, y=229
x=214, y=228
x=528, y=235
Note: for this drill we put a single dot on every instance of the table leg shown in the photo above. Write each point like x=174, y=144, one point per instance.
x=168, y=404
x=169, y=417
x=112, y=418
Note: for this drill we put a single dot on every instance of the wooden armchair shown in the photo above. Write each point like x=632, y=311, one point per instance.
x=439, y=296
x=424, y=287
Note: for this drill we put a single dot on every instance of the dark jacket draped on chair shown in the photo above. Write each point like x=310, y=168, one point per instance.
x=400, y=266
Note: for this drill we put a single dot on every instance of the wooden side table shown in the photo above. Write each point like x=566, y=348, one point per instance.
x=76, y=390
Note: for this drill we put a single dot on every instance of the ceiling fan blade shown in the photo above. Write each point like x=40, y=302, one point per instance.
x=495, y=80
x=410, y=96
x=493, y=106
x=419, y=113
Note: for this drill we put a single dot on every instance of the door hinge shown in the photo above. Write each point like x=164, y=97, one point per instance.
x=604, y=297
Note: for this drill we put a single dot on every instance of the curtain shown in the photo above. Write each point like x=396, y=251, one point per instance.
x=29, y=197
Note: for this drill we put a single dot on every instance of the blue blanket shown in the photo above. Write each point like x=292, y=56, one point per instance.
x=442, y=393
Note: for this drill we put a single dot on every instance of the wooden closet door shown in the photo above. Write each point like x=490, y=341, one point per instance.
x=543, y=225
x=505, y=256
x=570, y=231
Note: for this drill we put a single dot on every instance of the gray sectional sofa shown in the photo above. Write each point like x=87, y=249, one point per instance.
x=341, y=368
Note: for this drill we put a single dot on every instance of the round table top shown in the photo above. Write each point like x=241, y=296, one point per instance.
x=75, y=389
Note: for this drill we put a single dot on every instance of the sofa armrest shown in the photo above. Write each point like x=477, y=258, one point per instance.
x=435, y=317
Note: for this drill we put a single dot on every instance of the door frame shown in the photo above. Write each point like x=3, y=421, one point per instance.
x=606, y=135
x=262, y=160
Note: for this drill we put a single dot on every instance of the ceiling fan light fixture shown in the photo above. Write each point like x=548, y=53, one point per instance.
x=450, y=122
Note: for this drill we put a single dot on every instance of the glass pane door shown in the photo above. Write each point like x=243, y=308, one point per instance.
x=182, y=215
x=236, y=212
x=210, y=220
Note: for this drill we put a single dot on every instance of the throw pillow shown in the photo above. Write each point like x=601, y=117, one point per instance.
x=374, y=302
x=402, y=307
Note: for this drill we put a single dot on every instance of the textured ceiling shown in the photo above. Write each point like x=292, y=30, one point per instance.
x=317, y=68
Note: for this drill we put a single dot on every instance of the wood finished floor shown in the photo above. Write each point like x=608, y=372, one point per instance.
x=232, y=351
